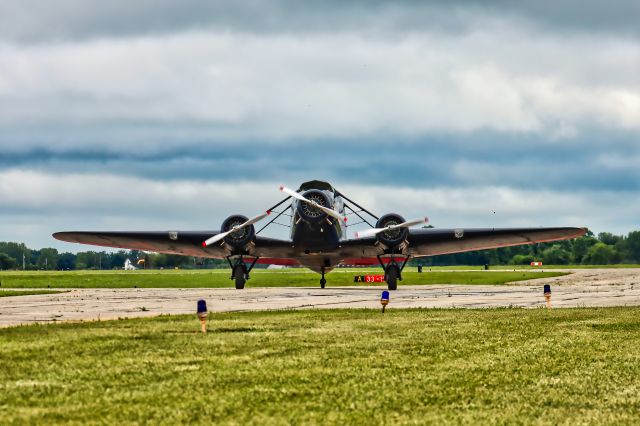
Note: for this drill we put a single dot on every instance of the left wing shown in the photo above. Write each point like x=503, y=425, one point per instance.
x=186, y=243
x=434, y=241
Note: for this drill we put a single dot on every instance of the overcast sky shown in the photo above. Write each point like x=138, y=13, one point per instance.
x=158, y=114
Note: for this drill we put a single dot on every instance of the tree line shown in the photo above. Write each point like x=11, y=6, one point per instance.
x=603, y=249
x=18, y=255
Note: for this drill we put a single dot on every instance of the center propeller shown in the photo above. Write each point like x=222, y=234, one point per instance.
x=375, y=231
x=222, y=235
x=312, y=203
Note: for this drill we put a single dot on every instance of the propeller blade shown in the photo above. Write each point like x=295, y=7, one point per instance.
x=215, y=238
x=300, y=197
x=255, y=219
x=328, y=211
x=222, y=235
x=292, y=193
x=410, y=223
x=375, y=231
x=368, y=232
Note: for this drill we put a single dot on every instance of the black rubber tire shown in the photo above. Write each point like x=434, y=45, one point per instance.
x=323, y=282
x=391, y=277
x=239, y=275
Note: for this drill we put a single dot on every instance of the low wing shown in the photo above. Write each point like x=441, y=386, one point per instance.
x=186, y=243
x=422, y=242
x=430, y=242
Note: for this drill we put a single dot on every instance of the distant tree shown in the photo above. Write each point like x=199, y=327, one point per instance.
x=173, y=260
x=66, y=261
x=556, y=255
x=521, y=259
x=47, y=259
x=632, y=246
x=87, y=260
x=117, y=259
x=601, y=254
x=581, y=246
x=15, y=250
x=608, y=238
x=7, y=262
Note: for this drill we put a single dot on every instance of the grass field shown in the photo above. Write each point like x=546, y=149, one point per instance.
x=7, y=293
x=528, y=267
x=259, y=278
x=493, y=366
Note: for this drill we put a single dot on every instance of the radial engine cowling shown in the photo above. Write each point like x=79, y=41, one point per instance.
x=393, y=237
x=242, y=237
x=310, y=213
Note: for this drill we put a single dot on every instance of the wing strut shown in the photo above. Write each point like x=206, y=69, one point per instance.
x=277, y=216
x=357, y=213
x=357, y=205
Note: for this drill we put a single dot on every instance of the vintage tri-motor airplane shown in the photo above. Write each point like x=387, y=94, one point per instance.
x=318, y=220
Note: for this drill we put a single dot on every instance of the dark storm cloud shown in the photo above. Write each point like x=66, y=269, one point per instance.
x=476, y=160
x=42, y=20
x=160, y=114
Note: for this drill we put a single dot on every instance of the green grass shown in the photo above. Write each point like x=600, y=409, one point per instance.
x=7, y=293
x=618, y=266
x=494, y=366
x=259, y=278
x=525, y=267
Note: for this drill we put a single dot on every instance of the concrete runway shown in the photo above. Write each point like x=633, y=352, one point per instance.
x=587, y=287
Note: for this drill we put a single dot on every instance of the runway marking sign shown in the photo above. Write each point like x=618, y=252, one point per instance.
x=370, y=279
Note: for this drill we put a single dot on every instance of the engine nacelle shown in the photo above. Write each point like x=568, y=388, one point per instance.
x=308, y=212
x=394, y=237
x=242, y=237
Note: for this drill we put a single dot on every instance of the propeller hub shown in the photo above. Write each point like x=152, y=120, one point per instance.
x=311, y=210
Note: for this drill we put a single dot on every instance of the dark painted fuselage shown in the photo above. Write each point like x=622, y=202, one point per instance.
x=316, y=241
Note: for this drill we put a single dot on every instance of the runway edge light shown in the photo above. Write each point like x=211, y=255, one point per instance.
x=202, y=314
x=384, y=300
x=547, y=295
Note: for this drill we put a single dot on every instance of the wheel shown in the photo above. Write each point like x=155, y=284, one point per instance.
x=323, y=282
x=239, y=274
x=391, y=277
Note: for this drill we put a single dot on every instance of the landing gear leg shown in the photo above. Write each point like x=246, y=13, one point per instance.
x=391, y=275
x=393, y=272
x=240, y=275
x=239, y=271
x=323, y=282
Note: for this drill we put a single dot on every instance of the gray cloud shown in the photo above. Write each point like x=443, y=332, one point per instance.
x=204, y=86
x=41, y=20
x=163, y=114
x=98, y=201
x=606, y=161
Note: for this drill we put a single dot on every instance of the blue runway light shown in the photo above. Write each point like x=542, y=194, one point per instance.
x=202, y=306
x=384, y=300
x=547, y=295
x=202, y=314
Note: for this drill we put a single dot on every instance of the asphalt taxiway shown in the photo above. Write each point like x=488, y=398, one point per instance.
x=587, y=287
